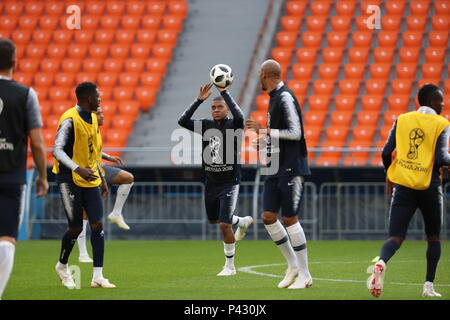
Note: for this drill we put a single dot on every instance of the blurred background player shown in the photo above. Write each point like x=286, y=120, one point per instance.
x=222, y=179
x=76, y=152
x=116, y=176
x=284, y=189
x=19, y=119
x=421, y=141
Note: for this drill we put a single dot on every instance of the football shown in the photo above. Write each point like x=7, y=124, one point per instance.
x=221, y=75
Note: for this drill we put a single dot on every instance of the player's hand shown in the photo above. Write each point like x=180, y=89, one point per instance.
x=253, y=125
x=86, y=173
x=41, y=187
x=205, y=91
x=114, y=159
x=259, y=143
x=389, y=187
x=222, y=89
x=104, y=189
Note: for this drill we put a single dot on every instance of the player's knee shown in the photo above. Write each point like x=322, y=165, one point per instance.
x=127, y=178
x=289, y=221
x=396, y=240
x=225, y=227
x=8, y=239
x=268, y=218
x=75, y=232
x=97, y=226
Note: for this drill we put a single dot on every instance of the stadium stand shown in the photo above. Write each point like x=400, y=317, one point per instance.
x=352, y=81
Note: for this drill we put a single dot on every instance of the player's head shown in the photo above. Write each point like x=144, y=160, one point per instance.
x=7, y=55
x=431, y=96
x=219, y=109
x=88, y=95
x=100, y=116
x=269, y=74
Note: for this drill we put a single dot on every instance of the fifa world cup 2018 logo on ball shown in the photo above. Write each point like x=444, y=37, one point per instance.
x=416, y=138
x=214, y=145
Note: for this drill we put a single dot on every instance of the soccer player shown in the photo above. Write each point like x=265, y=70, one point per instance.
x=222, y=178
x=284, y=188
x=80, y=181
x=19, y=119
x=421, y=140
x=113, y=175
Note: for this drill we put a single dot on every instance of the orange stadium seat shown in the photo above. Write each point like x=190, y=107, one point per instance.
x=162, y=51
x=398, y=102
x=155, y=65
x=6, y=34
x=342, y=118
x=122, y=93
x=320, y=7
x=61, y=106
x=42, y=37
x=362, y=39
x=51, y=122
x=43, y=79
x=440, y=23
x=299, y=87
x=58, y=93
x=406, y=70
x=146, y=36
x=442, y=7
x=149, y=79
x=332, y=55
x=129, y=108
x=157, y=8
x=45, y=108
x=368, y=118
x=328, y=161
x=335, y=39
x=282, y=54
x=130, y=22
x=416, y=23
x=20, y=51
x=262, y=102
x=345, y=7
x=96, y=8
x=106, y=93
x=401, y=86
x=115, y=8
x=296, y=8
x=364, y=133
x=314, y=118
x=380, y=71
x=140, y=50
x=387, y=39
x=84, y=36
x=146, y=97
x=47, y=22
x=109, y=108
x=358, y=157
x=316, y=23
x=395, y=7
x=391, y=23
x=419, y=7
x=354, y=70
x=128, y=79
x=34, y=8
x=13, y=8
x=336, y=134
x=383, y=55
x=291, y=23
x=23, y=78
x=113, y=65
x=438, y=39
x=178, y=8
x=8, y=23
x=110, y=22
x=361, y=24
x=307, y=55
x=151, y=22
x=365, y=3
x=167, y=37
x=172, y=22
x=104, y=36
x=50, y=65
x=98, y=51
x=28, y=65
x=345, y=102
x=302, y=70
x=409, y=55
x=286, y=39
x=108, y=79
x=90, y=22
x=371, y=102
x=78, y=51
x=56, y=51
x=319, y=102
x=384, y=131
x=260, y=116
x=71, y=65
x=341, y=23
x=434, y=55
x=36, y=51
x=118, y=51
x=375, y=86
x=41, y=92
x=92, y=65
x=447, y=84
x=328, y=70
x=358, y=55
x=323, y=87
x=347, y=86
x=431, y=70
x=312, y=134
x=28, y=22
x=62, y=36
x=390, y=116
x=85, y=76
x=309, y=39
x=21, y=37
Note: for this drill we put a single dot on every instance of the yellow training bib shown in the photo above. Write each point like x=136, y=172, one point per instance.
x=86, y=147
x=416, y=137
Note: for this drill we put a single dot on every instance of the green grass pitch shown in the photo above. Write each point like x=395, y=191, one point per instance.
x=186, y=270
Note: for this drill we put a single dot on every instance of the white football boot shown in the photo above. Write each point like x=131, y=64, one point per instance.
x=376, y=280
x=118, y=219
x=302, y=282
x=64, y=275
x=428, y=290
x=85, y=259
x=101, y=283
x=227, y=271
x=241, y=231
x=289, y=278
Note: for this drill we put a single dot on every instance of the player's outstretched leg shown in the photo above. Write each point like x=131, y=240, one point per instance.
x=125, y=180
x=81, y=240
x=243, y=224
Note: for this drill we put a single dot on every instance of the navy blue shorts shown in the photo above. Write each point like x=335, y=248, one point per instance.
x=220, y=202
x=11, y=204
x=283, y=193
x=75, y=199
x=406, y=201
x=111, y=173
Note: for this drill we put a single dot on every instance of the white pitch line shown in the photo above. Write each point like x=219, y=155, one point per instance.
x=250, y=270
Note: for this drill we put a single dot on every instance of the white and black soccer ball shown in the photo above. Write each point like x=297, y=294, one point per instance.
x=221, y=75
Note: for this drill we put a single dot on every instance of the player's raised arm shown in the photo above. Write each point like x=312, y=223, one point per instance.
x=238, y=116
x=186, y=120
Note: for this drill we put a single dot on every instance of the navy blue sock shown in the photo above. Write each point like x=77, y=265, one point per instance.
x=433, y=255
x=98, y=246
x=68, y=241
x=388, y=250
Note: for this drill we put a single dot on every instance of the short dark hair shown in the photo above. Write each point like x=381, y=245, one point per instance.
x=85, y=89
x=7, y=54
x=426, y=94
x=218, y=98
